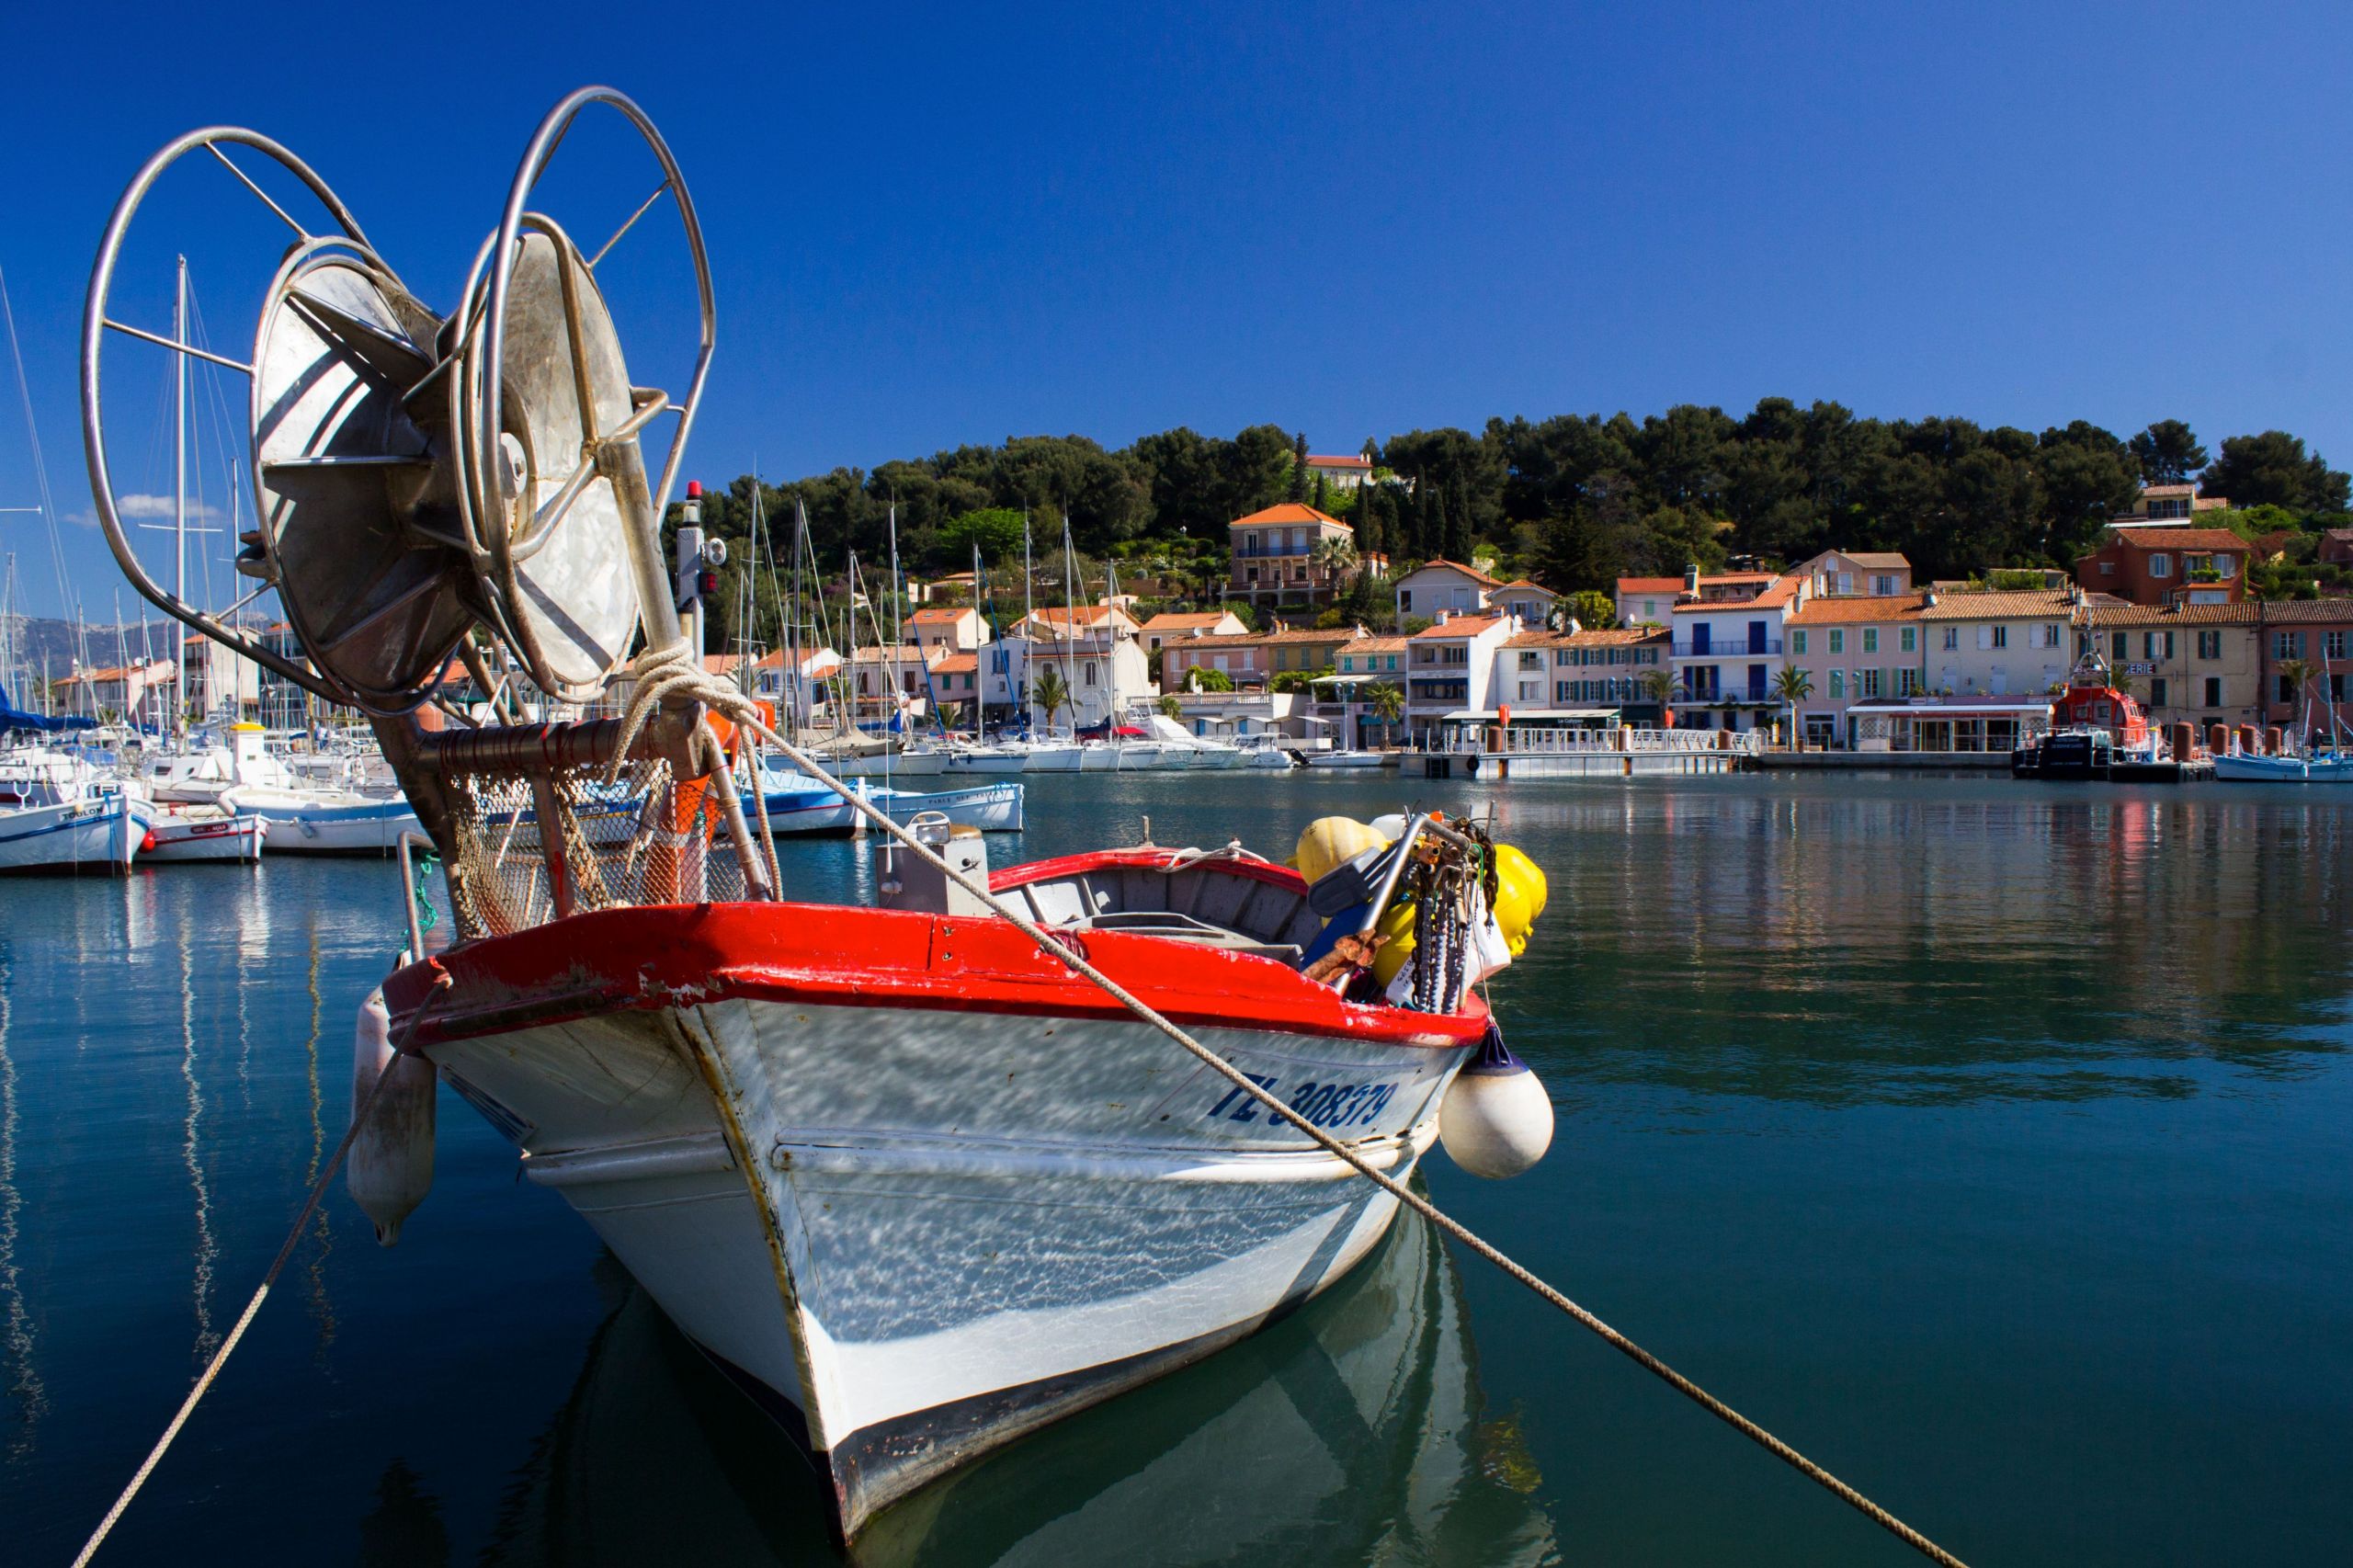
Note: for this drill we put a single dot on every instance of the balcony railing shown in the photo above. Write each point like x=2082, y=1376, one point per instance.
x=1747, y=648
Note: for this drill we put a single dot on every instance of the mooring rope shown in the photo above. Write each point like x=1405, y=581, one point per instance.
x=674, y=672
x=245, y=1318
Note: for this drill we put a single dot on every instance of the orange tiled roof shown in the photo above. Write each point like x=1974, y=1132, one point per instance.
x=1650, y=584
x=1846, y=609
x=1184, y=620
x=1288, y=512
x=1612, y=637
x=1462, y=626
x=940, y=616
x=958, y=664
x=2148, y=538
x=1365, y=463
x=1471, y=571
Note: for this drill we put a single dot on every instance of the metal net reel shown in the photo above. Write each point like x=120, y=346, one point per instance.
x=424, y=482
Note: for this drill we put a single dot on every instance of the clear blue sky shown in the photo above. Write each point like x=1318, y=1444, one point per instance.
x=938, y=227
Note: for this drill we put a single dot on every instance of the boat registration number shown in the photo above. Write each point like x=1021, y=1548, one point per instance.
x=1326, y=1104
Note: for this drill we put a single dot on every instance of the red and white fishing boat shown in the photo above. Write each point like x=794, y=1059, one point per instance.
x=914, y=1181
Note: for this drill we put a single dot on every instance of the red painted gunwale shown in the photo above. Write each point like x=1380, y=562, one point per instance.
x=684, y=955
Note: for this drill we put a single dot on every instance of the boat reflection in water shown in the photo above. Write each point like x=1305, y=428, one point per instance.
x=1353, y=1431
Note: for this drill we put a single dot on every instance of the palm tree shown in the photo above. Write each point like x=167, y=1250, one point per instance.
x=1172, y=706
x=1049, y=693
x=1792, y=686
x=2299, y=673
x=1336, y=556
x=1659, y=686
x=1387, y=702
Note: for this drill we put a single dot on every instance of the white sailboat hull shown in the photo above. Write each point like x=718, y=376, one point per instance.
x=2241, y=768
x=97, y=835
x=1053, y=757
x=992, y=762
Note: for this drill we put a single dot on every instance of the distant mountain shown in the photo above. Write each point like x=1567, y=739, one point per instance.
x=38, y=643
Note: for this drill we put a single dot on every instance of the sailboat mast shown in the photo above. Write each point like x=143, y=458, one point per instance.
x=179, y=498
x=1028, y=626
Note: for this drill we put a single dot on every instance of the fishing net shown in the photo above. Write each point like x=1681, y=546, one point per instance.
x=530, y=847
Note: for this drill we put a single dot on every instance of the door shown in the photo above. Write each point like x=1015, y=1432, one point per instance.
x=1701, y=643
x=1756, y=636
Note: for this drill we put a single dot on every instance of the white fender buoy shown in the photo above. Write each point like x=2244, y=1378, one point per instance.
x=389, y=1168
x=1496, y=1120
x=1391, y=827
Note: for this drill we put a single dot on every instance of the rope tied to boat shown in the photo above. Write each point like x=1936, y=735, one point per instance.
x=441, y=984
x=672, y=671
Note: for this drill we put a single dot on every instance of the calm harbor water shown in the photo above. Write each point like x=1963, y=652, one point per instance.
x=1993, y=1142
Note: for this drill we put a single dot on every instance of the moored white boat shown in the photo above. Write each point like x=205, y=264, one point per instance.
x=1344, y=759
x=88, y=832
x=919, y=1188
x=204, y=833
x=2249, y=767
x=1052, y=756
x=323, y=821
x=987, y=759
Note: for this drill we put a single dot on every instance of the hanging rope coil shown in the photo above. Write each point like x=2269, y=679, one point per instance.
x=672, y=671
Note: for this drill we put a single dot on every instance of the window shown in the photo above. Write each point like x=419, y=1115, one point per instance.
x=2107, y=568
x=1404, y=601
x=1253, y=575
x=2213, y=691
x=1952, y=637
x=2157, y=693
x=2160, y=564
x=1837, y=641
x=2156, y=644
x=2001, y=637
x=1911, y=638
x=2050, y=638
x=1797, y=641
x=2209, y=646
x=1870, y=638
x=1528, y=689
x=1907, y=682
x=2116, y=645
x=1837, y=683
x=1530, y=661
x=2332, y=644
x=1561, y=690
x=1090, y=672
x=2287, y=644
x=1650, y=609
x=2226, y=567
x=1867, y=684
x=1884, y=587
x=2287, y=690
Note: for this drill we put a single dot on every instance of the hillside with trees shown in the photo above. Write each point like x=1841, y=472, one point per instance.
x=1575, y=500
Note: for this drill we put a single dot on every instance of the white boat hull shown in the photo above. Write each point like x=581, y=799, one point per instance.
x=2240, y=768
x=1053, y=757
x=97, y=835
x=1343, y=759
x=989, y=762
x=304, y=824
x=193, y=835
x=921, y=1221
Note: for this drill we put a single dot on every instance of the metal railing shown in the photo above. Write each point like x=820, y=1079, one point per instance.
x=1739, y=649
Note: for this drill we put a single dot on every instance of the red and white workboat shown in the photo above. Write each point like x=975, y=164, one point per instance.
x=915, y=1182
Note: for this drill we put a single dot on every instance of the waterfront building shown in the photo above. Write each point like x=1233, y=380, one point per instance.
x=2319, y=632
x=1240, y=656
x=887, y=681
x=1999, y=642
x=945, y=628
x=1234, y=715
x=1278, y=554
x=1442, y=588
x=2172, y=563
x=1862, y=648
x=1170, y=624
x=1725, y=652
x=1059, y=623
x=1582, y=669
x=1877, y=574
x=2202, y=663
x=1648, y=601
x=1450, y=668
x=806, y=684
x=1340, y=700
x=1305, y=650
x=2337, y=547
x=140, y=691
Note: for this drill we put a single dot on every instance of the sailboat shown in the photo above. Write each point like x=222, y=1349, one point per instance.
x=2307, y=765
